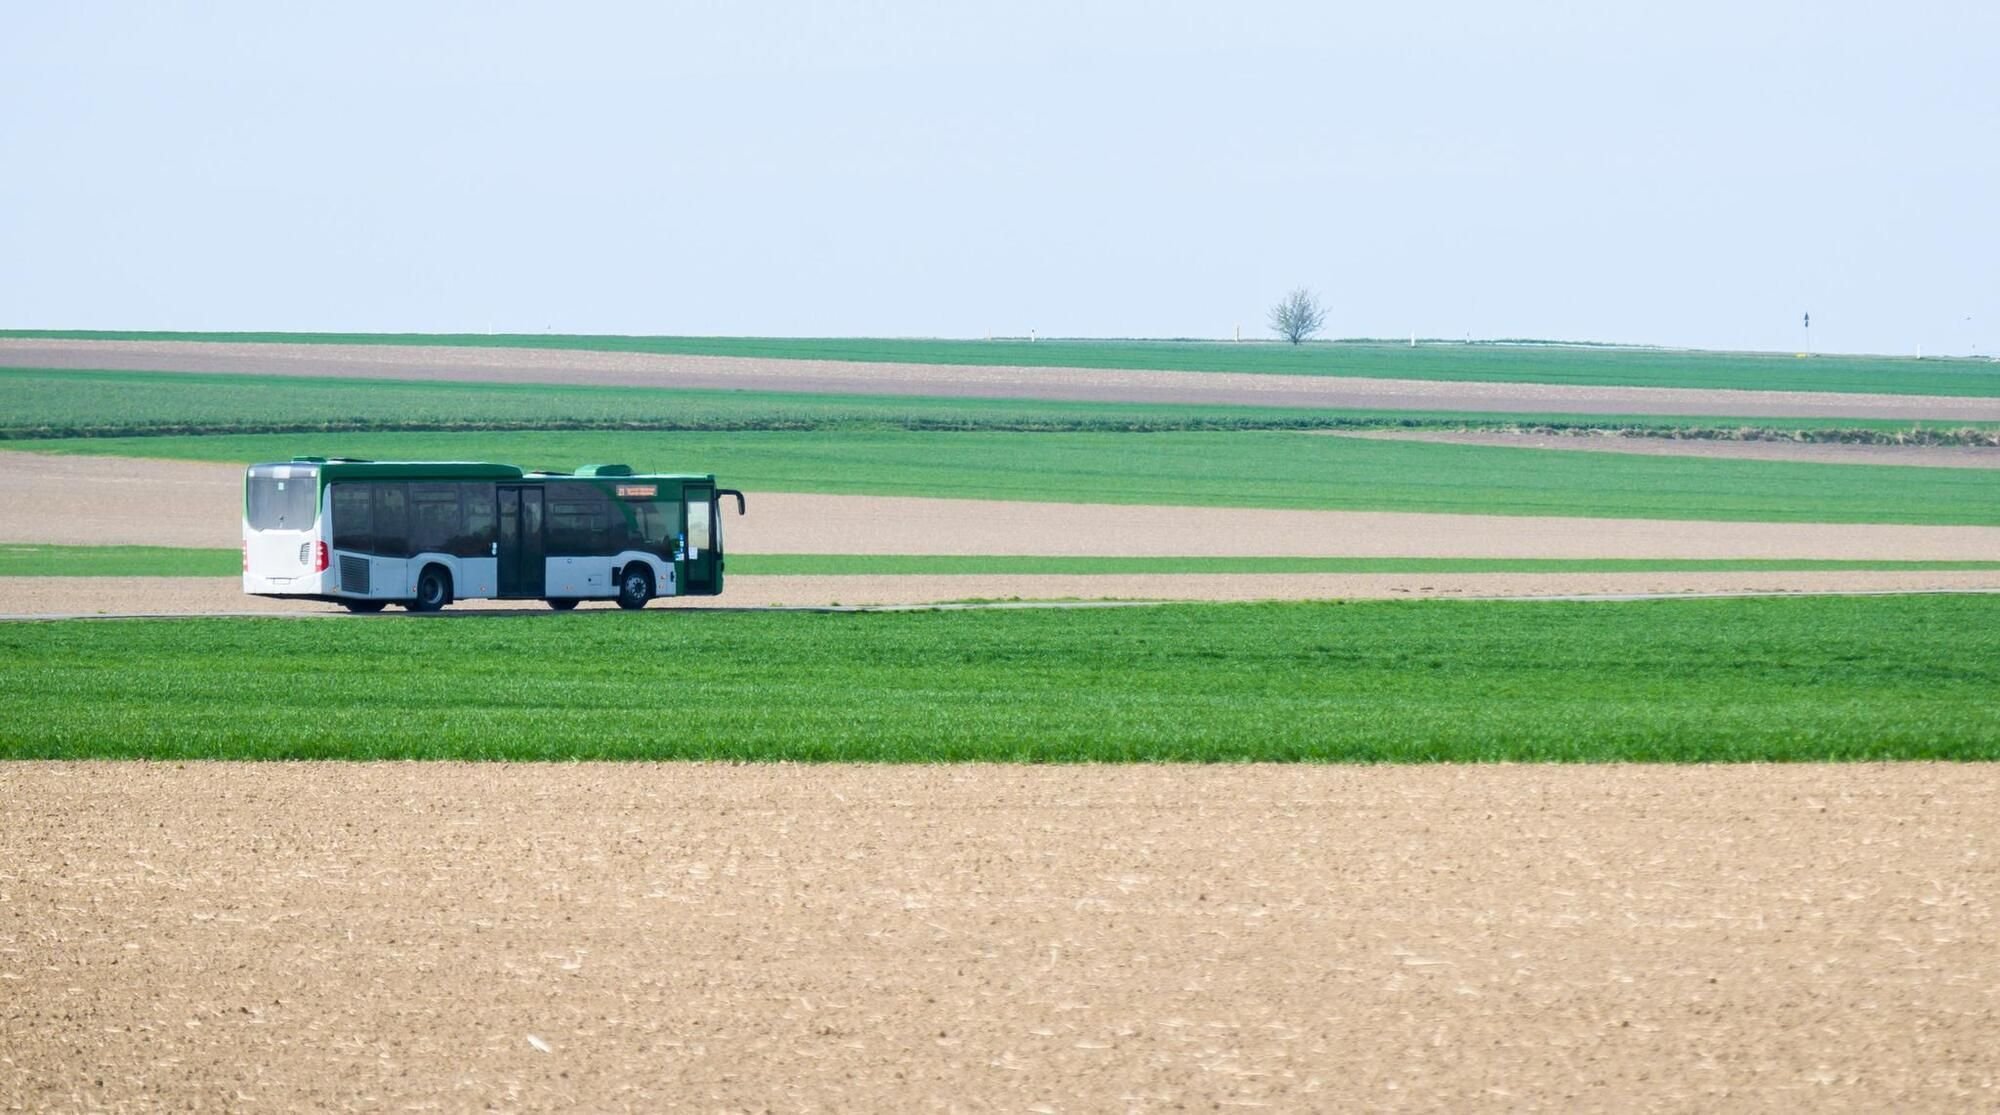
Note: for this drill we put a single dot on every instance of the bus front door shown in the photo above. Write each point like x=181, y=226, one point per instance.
x=699, y=573
x=523, y=572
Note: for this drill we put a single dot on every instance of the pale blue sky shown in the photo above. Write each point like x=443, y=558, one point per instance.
x=1676, y=173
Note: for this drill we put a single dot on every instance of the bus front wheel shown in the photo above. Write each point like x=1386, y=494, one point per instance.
x=635, y=588
x=364, y=606
x=433, y=590
x=561, y=605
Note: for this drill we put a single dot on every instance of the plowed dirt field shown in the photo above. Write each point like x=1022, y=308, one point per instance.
x=264, y=937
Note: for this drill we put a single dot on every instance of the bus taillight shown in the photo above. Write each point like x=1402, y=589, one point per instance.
x=319, y=557
x=246, y=557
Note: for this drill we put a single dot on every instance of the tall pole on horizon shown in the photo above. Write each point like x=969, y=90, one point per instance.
x=1809, y=333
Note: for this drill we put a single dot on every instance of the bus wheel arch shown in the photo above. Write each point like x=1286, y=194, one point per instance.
x=635, y=586
x=433, y=589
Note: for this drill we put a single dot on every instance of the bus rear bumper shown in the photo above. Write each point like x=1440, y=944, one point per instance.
x=310, y=584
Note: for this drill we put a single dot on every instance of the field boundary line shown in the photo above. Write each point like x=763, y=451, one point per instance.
x=1010, y=605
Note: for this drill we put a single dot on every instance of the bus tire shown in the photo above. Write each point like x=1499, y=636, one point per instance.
x=433, y=589
x=635, y=587
x=365, y=606
x=561, y=605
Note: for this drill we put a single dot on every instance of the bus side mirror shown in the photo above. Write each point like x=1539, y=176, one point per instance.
x=740, y=507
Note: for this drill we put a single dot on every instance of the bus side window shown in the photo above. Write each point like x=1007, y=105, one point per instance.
x=579, y=521
x=656, y=525
x=353, y=517
x=436, y=520
x=392, y=520
x=477, y=535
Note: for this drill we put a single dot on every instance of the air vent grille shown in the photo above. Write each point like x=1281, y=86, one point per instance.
x=353, y=573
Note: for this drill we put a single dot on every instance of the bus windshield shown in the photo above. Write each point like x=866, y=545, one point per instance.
x=288, y=504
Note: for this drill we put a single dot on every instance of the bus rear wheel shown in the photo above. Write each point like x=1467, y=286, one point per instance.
x=635, y=588
x=561, y=605
x=433, y=590
x=365, y=606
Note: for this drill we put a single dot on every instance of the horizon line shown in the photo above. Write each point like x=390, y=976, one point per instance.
x=30, y=333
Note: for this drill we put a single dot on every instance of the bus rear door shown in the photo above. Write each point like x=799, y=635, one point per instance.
x=523, y=566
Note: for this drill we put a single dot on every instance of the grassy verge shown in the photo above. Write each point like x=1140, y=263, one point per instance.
x=1248, y=469
x=1521, y=363
x=41, y=403
x=22, y=560
x=1676, y=681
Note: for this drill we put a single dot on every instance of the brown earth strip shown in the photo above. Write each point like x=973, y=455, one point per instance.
x=121, y=501
x=138, y=596
x=780, y=524
x=1825, y=453
x=518, y=365
x=402, y=936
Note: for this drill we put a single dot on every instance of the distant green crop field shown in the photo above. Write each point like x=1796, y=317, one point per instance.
x=1242, y=469
x=1507, y=363
x=42, y=403
x=1803, y=679
x=34, y=560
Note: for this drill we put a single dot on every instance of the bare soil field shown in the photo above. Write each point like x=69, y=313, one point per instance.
x=119, y=501
x=266, y=937
x=25, y=597
x=512, y=365
x=103, y=501
x=1832, y=453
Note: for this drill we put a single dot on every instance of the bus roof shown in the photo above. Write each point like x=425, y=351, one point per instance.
x=347, y=468
x=416, y=470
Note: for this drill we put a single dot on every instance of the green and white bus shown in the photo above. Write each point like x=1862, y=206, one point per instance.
x=367, y=534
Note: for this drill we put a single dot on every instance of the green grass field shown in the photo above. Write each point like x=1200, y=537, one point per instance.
x=1242, y=469
x=1674, y=681
x=42, y=403
x=24, y=560
x=21, y=560
x=1540, y=363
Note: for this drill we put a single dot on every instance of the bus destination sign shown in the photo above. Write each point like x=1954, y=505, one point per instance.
x=638, y=491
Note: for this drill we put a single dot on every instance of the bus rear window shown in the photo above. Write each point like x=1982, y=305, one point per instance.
x=274, y=504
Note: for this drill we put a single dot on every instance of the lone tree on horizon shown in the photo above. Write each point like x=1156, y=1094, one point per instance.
x=1299, y=316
